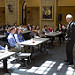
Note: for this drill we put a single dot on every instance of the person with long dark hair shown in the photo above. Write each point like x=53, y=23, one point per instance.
x=60, y=29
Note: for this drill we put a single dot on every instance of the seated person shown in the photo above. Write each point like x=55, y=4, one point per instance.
x=7, y=24
x=15, y=26
x=50, y=29
x=22, y=27
x=2, y=26
x=7, y=31
x=33, y=33
x=2, y=48
x=18, y=36
x=44, y=30
x=5, y=27
x=29, y=27
x=37, y=29
x=60, y=29
x=11, y=39
x=32, y=26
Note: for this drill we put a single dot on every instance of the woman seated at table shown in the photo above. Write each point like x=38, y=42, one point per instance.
x=18, y=36
x=15, y=26
x=37, y=29
x=29, y=27
x=50, y=29
x=33, y=33
x=60, y=29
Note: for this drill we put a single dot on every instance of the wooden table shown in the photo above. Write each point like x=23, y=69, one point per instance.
x=4, y=56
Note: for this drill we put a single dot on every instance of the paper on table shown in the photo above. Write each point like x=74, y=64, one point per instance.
x=2, y=51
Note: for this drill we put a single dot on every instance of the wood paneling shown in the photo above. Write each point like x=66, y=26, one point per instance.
x=2, y=3
x=66, y=2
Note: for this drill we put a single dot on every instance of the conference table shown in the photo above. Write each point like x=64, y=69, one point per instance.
x=34, y=42
x=26, y=34
x=53, y=35
x=1, y=31
x=4, y=55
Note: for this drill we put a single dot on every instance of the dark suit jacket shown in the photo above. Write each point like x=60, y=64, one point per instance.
x=70, y=35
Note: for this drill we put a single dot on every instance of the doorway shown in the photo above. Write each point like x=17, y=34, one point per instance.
x=2, y=15
x=24, y=13
x=33, y=15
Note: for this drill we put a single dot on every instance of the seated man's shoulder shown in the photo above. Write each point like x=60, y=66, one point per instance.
x=9, y=36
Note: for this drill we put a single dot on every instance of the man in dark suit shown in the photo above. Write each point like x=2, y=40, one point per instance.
x=70, y=39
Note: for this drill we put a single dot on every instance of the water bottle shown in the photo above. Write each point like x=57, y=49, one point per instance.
x=6, y=48
x=45, y=33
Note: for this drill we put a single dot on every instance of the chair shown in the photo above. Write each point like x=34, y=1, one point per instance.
x=19, y=55
x=25, y=56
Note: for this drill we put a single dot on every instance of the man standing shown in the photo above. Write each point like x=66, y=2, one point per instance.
x=70, y=39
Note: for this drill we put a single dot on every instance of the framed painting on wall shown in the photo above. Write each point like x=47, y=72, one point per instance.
x=47, y=12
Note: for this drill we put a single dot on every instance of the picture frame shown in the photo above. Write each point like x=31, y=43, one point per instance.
x=47, y=12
